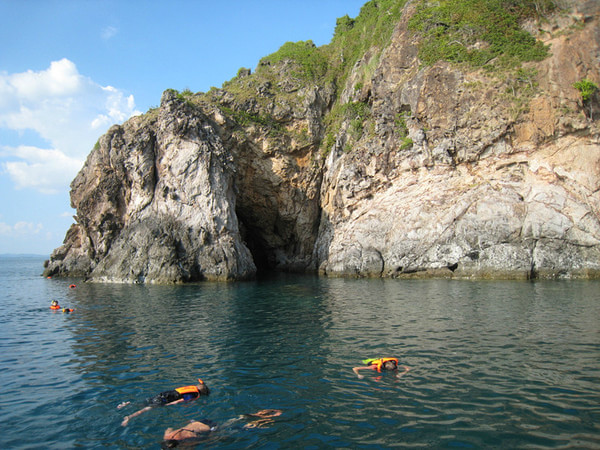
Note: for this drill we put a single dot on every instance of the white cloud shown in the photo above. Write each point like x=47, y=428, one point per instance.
x=109, y=32
x=5, y=229
x=20, y=229
x=59, y=80
x=47, y=171
x=66, y=109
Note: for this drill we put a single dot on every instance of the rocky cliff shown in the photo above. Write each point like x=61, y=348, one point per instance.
x=392, y=167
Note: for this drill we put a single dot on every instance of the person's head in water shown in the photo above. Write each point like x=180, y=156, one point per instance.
x=380, y=365
x=54, y=303
x=203, y=388
x=389, y=365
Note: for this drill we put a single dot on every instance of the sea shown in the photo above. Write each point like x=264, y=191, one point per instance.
x=494, y=364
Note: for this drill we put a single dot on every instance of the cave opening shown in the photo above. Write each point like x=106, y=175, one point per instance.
x=262, y=253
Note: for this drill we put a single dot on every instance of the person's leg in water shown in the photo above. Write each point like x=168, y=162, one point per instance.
x=263, y=418
x=197, y=430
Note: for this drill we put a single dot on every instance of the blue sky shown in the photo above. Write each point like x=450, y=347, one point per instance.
x=70, y=69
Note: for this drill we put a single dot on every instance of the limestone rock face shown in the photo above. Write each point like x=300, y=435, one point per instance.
x=455, y=176
x=156, y=202
x=480, y=192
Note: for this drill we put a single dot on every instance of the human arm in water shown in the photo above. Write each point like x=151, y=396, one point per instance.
x=143, y=410
x=135, y=414
x=398, y=374
x=356, y=369
x=405, y=370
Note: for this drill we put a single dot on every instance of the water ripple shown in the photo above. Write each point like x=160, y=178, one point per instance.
x=508, y=365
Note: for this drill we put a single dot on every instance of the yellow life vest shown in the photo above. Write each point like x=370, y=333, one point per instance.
x=381, y=361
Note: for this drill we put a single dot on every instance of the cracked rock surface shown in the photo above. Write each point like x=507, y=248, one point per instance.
x=467, y=187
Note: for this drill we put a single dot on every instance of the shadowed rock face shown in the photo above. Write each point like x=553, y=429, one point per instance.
x=190, y=192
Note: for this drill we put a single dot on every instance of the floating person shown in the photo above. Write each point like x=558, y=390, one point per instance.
x=194, y=431
x=68, y=310
x=54, y=304
x=167, y=398
x=379, y=364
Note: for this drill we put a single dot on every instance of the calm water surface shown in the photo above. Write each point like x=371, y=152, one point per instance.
x=495, y=364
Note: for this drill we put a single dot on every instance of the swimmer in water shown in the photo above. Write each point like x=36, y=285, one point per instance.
x=196, y=430
x=167, y=398
x=380, y=364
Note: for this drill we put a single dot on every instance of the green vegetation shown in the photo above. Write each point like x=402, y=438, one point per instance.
x=352, y=38
x=312, y=63
x=406, y=143
x=480, y=32
x=371, y=31
x=302, y=63
x=186, y=94
x=357, y=113
x=586, y=88
x=521, y=86
x=245, y=118
x=402, y=130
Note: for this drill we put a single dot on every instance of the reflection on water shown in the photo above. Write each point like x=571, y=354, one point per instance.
x=495, y=364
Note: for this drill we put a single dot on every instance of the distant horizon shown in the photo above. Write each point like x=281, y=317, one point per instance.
x=26, y=255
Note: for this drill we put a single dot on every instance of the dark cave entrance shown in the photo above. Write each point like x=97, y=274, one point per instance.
x=262, y=254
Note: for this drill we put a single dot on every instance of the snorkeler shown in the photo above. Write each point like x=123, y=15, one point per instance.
x=196, y=430
x=380, y=364
x=179, y=395
x=54, y=304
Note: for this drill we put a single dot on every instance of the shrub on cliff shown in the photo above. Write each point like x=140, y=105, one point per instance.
x=586, y=88
x=479, y=31
x=371, y=29
x=311, y=61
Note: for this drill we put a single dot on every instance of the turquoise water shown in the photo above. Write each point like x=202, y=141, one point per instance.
x=495, y=364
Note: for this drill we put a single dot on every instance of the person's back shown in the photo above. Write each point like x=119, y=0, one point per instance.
x=172, y=397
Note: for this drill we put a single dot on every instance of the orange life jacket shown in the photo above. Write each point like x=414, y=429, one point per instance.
x=381, y=361
x=188, y=390
x=54, y=307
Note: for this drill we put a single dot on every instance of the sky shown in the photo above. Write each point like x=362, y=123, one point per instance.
x=70, y=69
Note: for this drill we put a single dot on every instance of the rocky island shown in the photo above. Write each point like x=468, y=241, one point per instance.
x=456, y=139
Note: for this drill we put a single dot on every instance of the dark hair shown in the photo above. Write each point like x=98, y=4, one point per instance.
x=169, y=443
x=390, y=365
x=203, y=389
